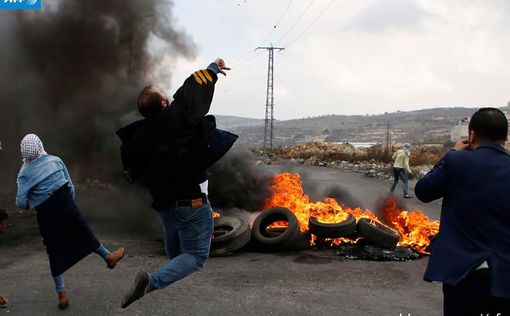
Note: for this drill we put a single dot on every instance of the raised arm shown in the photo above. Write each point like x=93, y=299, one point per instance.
x=195, y=95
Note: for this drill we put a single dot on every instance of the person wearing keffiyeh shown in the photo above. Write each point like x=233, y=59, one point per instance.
x=401, y=169
x=44, y=184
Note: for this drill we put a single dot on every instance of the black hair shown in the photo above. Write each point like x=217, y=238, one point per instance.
x=149, y=101
x=489, y=124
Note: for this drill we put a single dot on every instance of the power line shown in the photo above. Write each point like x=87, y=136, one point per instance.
x=277, y=23
x=251, y=63
x=311, y=23
x=248, y=56
x=245, y=59
x=297, y=20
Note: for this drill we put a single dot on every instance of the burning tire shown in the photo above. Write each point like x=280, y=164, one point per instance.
x=302, y=241
x=378, y=233
x=230, y=234
x=278, y=239
x=336, y=230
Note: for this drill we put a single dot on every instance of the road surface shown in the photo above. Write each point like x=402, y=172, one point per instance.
x=298, y=283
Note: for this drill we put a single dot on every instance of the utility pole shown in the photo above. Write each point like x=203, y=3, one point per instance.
x=268, y=126
x=388, y=138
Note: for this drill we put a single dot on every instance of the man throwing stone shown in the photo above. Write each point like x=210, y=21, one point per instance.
x=167, y=152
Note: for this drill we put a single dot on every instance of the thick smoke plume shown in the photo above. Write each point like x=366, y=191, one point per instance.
x=238, y=182
x=71, y=73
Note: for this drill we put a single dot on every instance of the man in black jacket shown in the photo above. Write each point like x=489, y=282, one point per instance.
x=167, y=151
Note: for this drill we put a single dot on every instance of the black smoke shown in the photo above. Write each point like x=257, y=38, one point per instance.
x=71, y=73
x=237, y=181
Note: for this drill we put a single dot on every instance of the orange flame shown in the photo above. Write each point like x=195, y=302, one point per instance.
x=216, y=214
x=415, y=228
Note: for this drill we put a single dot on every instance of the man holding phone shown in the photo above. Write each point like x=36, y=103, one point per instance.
x=471, y=253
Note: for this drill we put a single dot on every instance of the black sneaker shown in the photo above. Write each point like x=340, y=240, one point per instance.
x=138, y=290
x=407, y=196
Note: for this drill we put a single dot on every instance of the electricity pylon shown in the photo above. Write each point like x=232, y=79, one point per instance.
x=268, y=126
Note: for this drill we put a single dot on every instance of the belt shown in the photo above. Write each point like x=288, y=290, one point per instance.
x=196, y=203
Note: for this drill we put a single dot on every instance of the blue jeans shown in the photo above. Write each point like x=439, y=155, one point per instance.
x=400, y=173
x=187, y=233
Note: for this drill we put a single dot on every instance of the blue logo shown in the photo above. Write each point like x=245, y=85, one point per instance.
x=20, y=4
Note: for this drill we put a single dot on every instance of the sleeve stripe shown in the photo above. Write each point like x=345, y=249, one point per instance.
x=207, y=75
x=199, y=73
x=197, y=79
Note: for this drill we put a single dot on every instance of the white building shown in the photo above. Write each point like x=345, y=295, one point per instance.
x=460, y=130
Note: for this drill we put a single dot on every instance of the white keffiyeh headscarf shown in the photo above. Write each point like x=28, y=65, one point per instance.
x=31, y=148
x=407, y=149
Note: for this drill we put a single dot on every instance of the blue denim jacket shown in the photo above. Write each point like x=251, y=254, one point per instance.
x=38, y=180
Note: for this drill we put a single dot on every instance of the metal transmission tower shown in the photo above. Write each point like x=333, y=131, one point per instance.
x=268, y=127
x=388, y=137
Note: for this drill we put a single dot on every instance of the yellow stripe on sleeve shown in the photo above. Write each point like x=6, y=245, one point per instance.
x=197, y=79
x=207, y=75
x=199, y=73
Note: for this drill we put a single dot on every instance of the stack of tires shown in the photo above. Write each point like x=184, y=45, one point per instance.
x=372, y=232
x=233, y=233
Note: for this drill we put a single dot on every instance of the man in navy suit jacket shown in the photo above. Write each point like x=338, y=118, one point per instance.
x=471, y=253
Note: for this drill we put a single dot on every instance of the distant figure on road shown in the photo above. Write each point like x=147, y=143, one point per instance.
x=471, y=254
x=45, y=184
x=401, y=169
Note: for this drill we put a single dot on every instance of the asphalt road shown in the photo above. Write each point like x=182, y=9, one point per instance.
x=299, y=283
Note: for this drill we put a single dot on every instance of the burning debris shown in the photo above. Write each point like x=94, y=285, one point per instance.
x=374, y=253
x=290, y=215
x=414, y=228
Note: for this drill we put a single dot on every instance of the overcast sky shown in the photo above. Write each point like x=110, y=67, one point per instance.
x=353, y=56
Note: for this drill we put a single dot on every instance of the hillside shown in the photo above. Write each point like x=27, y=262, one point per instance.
x=424, y=126
x=229, y=122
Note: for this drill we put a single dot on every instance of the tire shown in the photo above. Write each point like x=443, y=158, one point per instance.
x=336, y=230
x=230, y=234
x=274, y=232
x=275, y=240
x=302, y=240
x=378, y=233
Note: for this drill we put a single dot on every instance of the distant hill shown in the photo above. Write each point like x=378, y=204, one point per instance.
x=429, y=125
x=229, y=122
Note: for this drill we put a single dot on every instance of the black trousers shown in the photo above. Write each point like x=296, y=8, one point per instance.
x=472, y=297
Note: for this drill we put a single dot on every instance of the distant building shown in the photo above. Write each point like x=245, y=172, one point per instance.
x=460, y=130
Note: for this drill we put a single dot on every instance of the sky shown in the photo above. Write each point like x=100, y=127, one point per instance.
x=350, y=56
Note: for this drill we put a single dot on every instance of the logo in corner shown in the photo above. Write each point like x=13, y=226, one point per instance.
x=20, y=4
